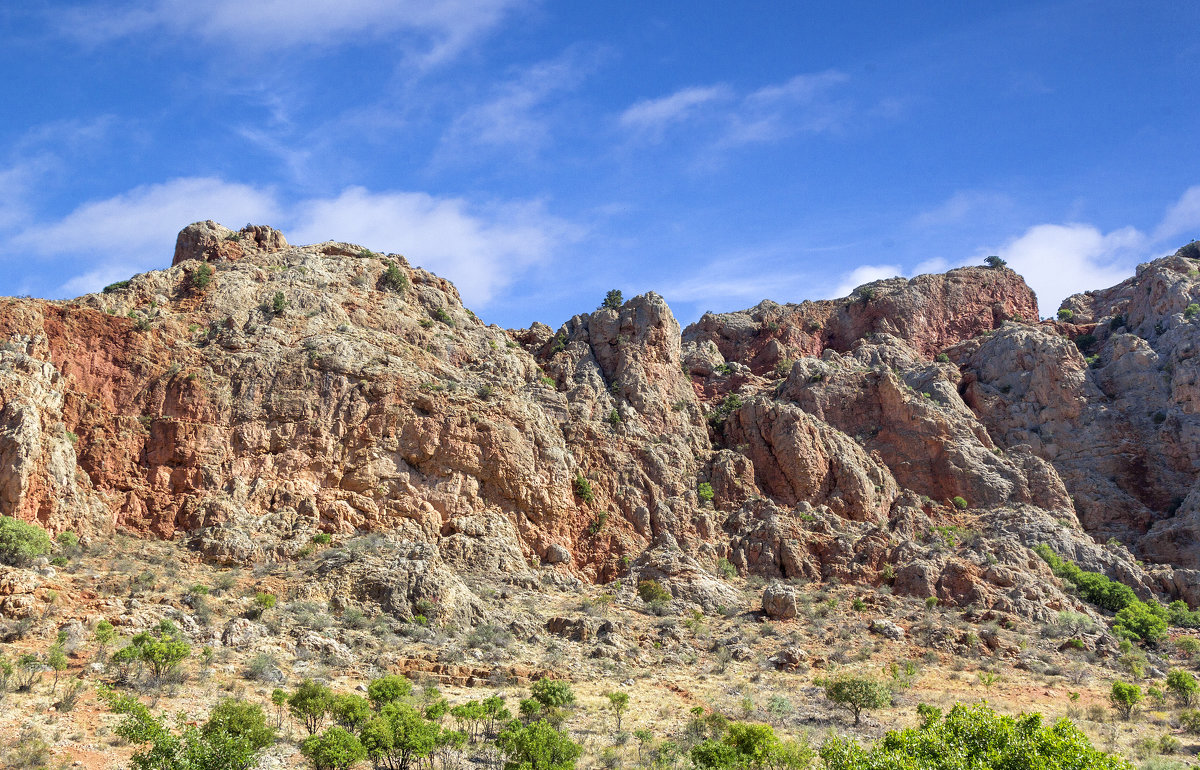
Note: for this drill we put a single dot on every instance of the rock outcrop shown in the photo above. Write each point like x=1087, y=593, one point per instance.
x=922, y=433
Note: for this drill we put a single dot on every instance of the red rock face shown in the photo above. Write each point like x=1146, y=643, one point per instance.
x=929, y=312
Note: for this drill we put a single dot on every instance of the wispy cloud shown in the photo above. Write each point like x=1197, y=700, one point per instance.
x=438, y=30
x=653, y=115
x=961, y=207
x=802, y=104
x=517, y=115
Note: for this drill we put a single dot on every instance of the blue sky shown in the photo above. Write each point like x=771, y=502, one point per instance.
x=541, y=153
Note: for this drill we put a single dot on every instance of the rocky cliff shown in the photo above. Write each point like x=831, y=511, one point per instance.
x=921, y=432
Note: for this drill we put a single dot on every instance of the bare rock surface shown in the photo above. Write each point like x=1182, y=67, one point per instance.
x=922, y=433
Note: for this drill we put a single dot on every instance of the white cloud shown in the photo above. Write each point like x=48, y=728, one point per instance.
x=1183, y=218
x=1060, y=260
x=480, y=249
x=441, y=29
x=865, y=274
x=138, y=222
x=652, y=115
x=140, y=226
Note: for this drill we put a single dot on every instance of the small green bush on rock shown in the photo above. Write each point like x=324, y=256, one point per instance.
x=20, y=542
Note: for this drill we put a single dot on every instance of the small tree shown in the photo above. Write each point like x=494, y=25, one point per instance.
x=994, y=262
x=231, y=740
x=398, y=736
x=613, y=300
x=279, y=303
x=1141, y=620
x=310, y=704
x=334, y=749
x=105, y=635
x=160, y=649
x=857, y=694
x=279, y=699
x=1125, y=697
x=618, y=704
x=1183, y=686
x=56, y=659
x=1065, y=314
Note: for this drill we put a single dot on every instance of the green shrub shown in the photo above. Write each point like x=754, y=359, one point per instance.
x=21, y=543
x=240, y=720
x=231, y=740
x=583, y=488
x=388, y=689
x=1140, y=620
x=202, y=277
x=1065, y=314
x=117, y=286
x=537, y=746
x=334, y=749
x=161, y=649
x=393, y=279
x=960, y=503
x=1191, y=310
x=652, y=592
x=279, y=303
x=994, y=262
x=68, y=540
x=857, y=694
x=974, y=737
x=1183, y=686
x=1190, y=720
x=553, y=693
x=732, y=403
x=613, y=300
x=1125, y=697
x=704, y=491
x=1092, y=586
x=322, y=538
x=942, y=358
x=350, y=711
